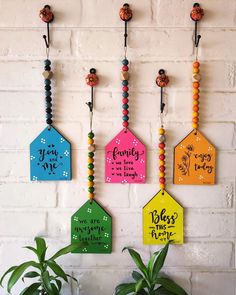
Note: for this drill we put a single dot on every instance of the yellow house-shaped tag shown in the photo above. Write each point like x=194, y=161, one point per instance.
x=162, y=220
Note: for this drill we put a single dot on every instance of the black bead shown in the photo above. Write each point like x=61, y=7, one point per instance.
x=49, y=121
x=48, y=110
x=48, y=105
x=47, y=62
x=47, y=82
x=48, y=99
x=49, y=116
x=47, y=87
x=47, y=68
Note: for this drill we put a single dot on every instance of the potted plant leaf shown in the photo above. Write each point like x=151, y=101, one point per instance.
x=149, y=281
x=46, y=273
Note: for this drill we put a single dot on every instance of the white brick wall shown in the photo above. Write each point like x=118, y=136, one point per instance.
x=89, y=34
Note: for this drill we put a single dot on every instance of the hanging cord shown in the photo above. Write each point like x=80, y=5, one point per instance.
x=47, y=16
x=91, y=80
x=162, y=80
x=125, y=15
x=196, y=15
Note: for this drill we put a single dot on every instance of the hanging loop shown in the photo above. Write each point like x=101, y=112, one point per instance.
x=162, y=80
x=46, y=16
x=196, y=15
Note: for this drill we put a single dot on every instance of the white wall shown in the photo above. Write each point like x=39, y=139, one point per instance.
x=89, y=33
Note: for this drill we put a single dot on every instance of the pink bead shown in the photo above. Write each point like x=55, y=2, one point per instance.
x=125, y=68
x=125, y=112
x=125, y=88
x=125, y=124
x=162, y=157
x=125, y=100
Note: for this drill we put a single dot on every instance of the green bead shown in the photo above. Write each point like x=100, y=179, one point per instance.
x=90, y=154
x=91, y=134
x=90, y=166
x=90, y=177
x=91, y=189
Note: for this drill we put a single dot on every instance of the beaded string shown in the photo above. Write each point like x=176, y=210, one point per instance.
x=125, y=15
x=162, y=80
x=196, y=15
x=91, y=80
x=47, y=16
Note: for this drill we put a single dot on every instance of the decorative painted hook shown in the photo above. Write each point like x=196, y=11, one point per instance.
x=196, y=15
x=162, y=80
x=91, y=80
x=126, y=15
x=46, y=16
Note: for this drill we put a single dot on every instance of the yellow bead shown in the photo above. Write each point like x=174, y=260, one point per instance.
x=161, y=163
x=195, y=70
x=196, y=102
x=162, y=185
x=90, y=141
x=196, y=91
x=90, y=160
x=161, y=131
x=162, y=174
x=161, y=151
x=91, y=196
x=195, y=126
x=90, y=172
x=90, y=183
x=195, y=114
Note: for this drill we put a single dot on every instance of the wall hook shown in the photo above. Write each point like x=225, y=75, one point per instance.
x=126, y=15
x=196, y=15
x=46, y=16
x=91, y=80
x=162, y=80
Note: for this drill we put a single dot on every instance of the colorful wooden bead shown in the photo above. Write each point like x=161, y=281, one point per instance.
x=161, y=131
x=196, y=77
x=47, y=75
x=91, y=134
x=92, y=148
x=125, y=124
x=124, y=75
x=197, y=12
x=125, y=12
x=125, y=62
x=90, y=195
x=162, y=138
x=46, y=14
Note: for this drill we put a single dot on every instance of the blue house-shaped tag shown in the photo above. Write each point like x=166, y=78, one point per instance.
x=50, y=156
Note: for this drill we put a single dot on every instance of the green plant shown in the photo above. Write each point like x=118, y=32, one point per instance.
x=149, y=281
x=47, y=283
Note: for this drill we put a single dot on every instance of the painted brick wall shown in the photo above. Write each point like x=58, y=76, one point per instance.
x=89, y=34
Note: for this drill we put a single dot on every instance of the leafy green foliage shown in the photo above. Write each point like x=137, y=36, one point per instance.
x=149, y=281
x=48, y=272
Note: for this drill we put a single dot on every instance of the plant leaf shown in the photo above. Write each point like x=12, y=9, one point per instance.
x=41, y=248
x=136, y=275
x=138, y=261
x=59, y=284
x=32, y=249
x=171, y=286
x=7, y=272
x=68, y=249
x=31, y=289
x=161, y=291
x=57, y=269
x=47, y=283
x=139, y=285
x=18, y=272
x=30, y=274
x=157, y=261
x=124, y=289
x=73, y=278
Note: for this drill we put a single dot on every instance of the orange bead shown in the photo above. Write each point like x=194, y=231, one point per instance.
x=195, y=125
x=195, y=96
x=90, y=160
x=195, y=70
x=162, y=174
x=195, y=108
x=196, y=64
x=90, y=183
x=161, y=151
x=162, y=185
x=195, y=102
x=90, y=141
x=195, y=120
x=90, y=172
x=196, y=84
x=195, y=91
x=161, y=131
x=195, y=114
x=161, y=163
x=91, y=196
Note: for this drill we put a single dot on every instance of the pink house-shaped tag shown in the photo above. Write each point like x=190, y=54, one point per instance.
x=125, y=159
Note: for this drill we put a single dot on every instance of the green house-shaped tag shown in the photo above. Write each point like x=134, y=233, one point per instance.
x=92, y=224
